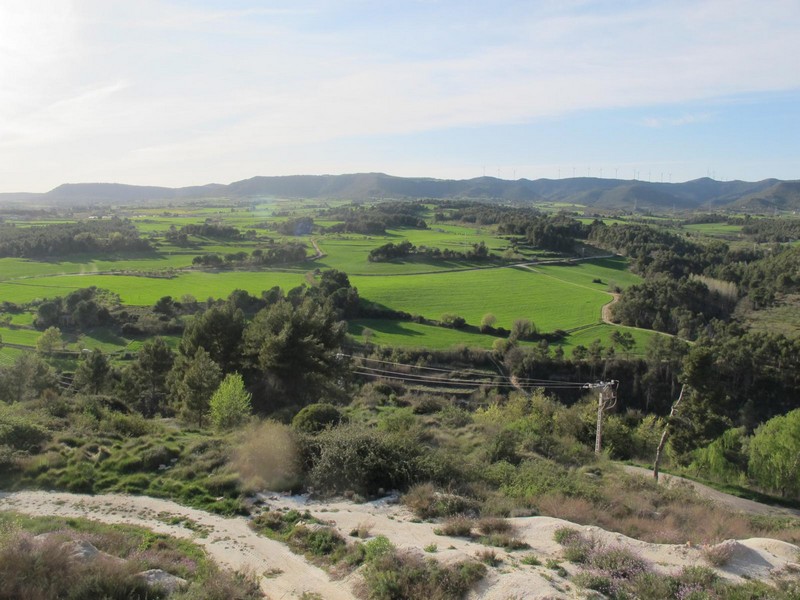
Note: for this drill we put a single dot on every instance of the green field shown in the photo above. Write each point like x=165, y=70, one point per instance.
x=554, y=296
x=144, y=291
x=715, y=229
x=508, y=293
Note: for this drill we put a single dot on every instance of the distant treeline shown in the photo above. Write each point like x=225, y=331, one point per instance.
x=404, y=249
x=276, y=254
x=60, y=239
x=375, y=220
x=207, y=229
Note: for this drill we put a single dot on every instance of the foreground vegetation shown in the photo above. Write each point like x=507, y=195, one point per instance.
x=35, y=565
x=263, y=349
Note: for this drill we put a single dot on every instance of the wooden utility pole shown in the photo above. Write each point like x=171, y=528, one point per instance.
x=665, y=434
x=607, y=399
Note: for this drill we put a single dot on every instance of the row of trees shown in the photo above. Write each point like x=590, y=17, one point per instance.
x=274, y=254
x=404, y=249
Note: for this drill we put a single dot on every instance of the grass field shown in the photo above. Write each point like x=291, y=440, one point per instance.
x=715, y=229
x=144, y=291
x=405, y=334
x=508, y=293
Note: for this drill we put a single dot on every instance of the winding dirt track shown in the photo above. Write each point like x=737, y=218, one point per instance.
x=732, y=502
x=284, y=575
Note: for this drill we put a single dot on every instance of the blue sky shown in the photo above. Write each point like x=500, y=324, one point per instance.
x=184, y=93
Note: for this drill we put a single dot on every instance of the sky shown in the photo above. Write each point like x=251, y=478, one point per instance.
x=175, y=93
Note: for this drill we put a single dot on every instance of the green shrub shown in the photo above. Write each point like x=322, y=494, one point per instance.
x=366, y=461
x=377, y=547
x=316, y=417
x=20, y=433
x=399, y=576
x=426, y=503
x=321, y=541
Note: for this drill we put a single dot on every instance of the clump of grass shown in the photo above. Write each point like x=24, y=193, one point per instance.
x=431, y=548
x=427, y=503
x=315, y=541
x=488, y=557
x=503, y=540
x=577, y=548
x=362, y=530
x=531, y=560
x=490, y=525
x=458, y=526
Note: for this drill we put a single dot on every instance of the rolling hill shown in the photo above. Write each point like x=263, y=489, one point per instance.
x=616, y=194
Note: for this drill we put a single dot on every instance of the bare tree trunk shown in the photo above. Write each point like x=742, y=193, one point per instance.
x=665, y=434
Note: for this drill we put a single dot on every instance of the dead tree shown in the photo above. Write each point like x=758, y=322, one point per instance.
x=665, y=434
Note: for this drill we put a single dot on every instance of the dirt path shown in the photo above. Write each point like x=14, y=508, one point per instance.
x=285, y=575
x=606, y=313
x=733, y=502
x=229, y=541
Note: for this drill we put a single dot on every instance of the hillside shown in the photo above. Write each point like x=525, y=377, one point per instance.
x=617, y=194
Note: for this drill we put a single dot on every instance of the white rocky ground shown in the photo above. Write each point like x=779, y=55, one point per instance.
x=286, y=575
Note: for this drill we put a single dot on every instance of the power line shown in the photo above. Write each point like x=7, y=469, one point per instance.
x=435, y=376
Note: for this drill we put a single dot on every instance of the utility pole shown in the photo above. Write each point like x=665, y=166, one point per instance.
x=607, y=399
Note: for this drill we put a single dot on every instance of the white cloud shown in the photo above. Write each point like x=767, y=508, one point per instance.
x=127, y=86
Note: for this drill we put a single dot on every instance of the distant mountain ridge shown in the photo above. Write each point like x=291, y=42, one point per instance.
x=769, y=194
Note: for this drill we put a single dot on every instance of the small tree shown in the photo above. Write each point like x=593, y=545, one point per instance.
x=230, y=404
x=49, y=340
x=193, y=382
x=522, y=329
x=487, y=322
x=775, y=454
x=93, y=373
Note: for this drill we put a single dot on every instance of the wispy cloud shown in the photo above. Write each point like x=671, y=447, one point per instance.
x=659, y=122
x=137, y=83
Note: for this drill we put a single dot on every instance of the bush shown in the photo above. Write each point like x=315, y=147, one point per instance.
x=397, y=576
x=365, y=461
x=458, y=526
x=426, y=503
x=19, y=433
x=316, y=417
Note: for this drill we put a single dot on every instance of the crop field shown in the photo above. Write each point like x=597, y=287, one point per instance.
x=508, y=293
x=715, y=229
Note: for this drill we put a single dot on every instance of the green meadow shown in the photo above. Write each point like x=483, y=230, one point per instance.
x=508, y=293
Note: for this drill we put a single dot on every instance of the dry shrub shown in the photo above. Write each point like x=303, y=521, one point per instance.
x=362, y=530
x=490, y=525
x=720, y=554
x=488, y=557
x=458, y=526
x=267, y=457
x=577, y=510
